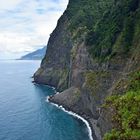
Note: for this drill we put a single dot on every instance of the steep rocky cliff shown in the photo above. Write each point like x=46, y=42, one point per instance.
x=93, y=54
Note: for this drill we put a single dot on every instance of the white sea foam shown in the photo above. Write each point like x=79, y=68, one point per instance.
x=75, y=115
x=57, y=92
x=53, y=88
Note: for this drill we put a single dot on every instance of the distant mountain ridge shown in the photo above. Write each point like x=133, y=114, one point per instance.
x=36, y=55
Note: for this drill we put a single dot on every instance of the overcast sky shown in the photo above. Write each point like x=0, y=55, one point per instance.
x=25, y=25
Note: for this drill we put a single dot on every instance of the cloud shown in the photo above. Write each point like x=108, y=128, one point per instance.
x=8, y=4
x=26, y=24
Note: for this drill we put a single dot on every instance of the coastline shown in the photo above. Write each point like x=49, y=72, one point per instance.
x=86, y=121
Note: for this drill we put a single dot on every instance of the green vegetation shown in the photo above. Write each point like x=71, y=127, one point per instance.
x=118, y=19
x=102, y=22
x=64, y=75
x=111, y=28
x=83, y=15
x=134, y=84
x=76, y=94
x=126, y=110
x=93, y=79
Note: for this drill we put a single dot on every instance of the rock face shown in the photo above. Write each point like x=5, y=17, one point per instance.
x=55, y=66
x=94, y=47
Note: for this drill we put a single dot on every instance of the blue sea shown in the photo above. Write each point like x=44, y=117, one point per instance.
x=24, y=112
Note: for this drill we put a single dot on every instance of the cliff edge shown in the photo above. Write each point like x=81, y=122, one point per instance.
x=94, y=54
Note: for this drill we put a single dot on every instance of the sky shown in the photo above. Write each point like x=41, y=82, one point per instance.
x=26, y=25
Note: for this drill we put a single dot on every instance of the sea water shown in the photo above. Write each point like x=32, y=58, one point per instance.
x=24, y=112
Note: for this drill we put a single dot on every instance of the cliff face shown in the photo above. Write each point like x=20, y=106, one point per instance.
x=55, y=66
x=90, y=55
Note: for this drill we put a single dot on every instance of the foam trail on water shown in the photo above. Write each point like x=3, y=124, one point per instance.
x=75, y=115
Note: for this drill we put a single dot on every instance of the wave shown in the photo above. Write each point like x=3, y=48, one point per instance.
x=75, y=115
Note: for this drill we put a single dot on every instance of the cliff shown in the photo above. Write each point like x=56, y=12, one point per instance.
x=93, y=59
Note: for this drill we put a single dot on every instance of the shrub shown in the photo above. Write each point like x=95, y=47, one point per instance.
x=127, y=112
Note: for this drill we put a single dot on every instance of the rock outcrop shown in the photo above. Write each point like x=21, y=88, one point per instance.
x=90, y=54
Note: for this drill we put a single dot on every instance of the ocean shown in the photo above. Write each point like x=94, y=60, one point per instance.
x=24, y=112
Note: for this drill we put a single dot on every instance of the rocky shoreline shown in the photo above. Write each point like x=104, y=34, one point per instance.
x=95, y=132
